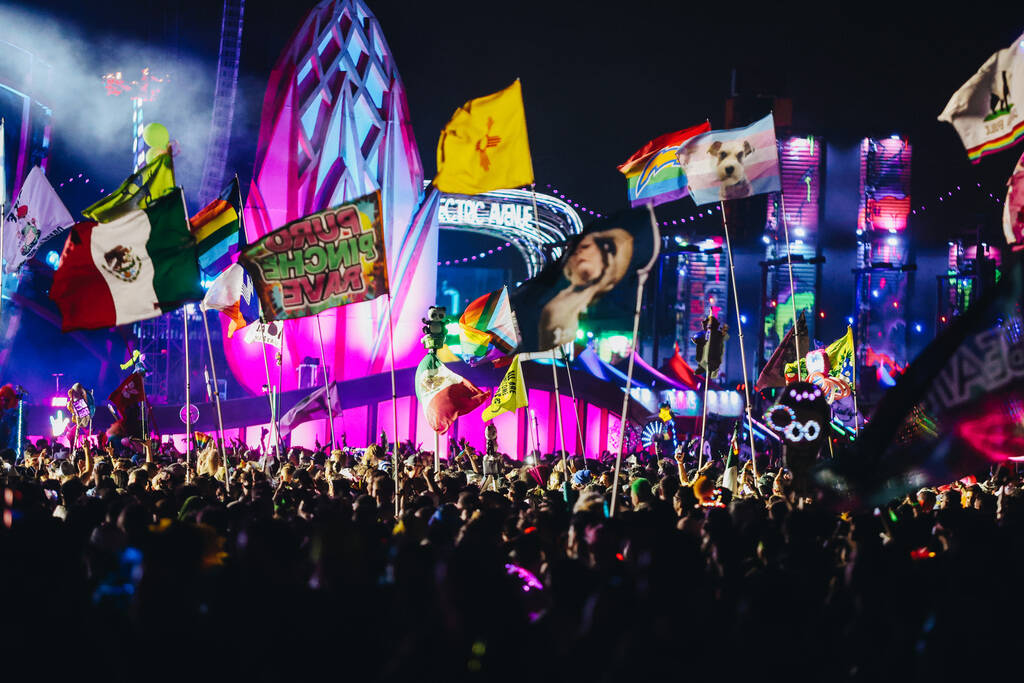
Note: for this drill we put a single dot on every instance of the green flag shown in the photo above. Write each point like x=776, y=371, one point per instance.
x=149, y=183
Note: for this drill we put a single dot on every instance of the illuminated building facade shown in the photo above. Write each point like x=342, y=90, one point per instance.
x=801, y=160
x=883, y=273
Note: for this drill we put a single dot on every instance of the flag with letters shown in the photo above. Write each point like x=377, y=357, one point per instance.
x=511, y=393
x=957, y=409
x=331, y=258
x=484, y=146
x=986, y=110
x=36, y=215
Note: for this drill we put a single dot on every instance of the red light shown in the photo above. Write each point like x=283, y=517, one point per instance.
x=620, y=557
x=529, y=530
x=942, y=319
x=821, y=314
x=895, y=304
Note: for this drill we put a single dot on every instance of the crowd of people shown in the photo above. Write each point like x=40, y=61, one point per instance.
x=142, y=562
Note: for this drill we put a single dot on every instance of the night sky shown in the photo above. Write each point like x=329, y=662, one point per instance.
x=599, y=80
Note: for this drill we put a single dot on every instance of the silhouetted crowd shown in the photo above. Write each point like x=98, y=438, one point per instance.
x=138, y=563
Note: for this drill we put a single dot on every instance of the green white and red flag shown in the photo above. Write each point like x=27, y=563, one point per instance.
x=138, y=266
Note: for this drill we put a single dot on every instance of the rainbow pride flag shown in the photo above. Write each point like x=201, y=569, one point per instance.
x=653, y=173
x=203, y=440
x=487, y=329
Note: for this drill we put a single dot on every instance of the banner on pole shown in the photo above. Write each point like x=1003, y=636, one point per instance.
x=328, y=259
x=596, y=276
x=510, y=395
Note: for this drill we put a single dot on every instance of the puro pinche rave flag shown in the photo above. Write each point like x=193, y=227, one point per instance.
x=37, y=214
x=331, y=258
x=133, y=268
x=444, y=395
x=484, y=146
x=511, y=393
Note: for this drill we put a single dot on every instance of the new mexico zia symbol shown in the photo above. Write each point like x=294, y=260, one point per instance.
x=485, y=143
x=122, y=264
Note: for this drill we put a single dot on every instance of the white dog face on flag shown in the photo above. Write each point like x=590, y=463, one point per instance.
x=729, y=157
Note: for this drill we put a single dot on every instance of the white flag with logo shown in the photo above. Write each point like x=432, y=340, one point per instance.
x=36, y=215
x=265, y=333
x=986, y=110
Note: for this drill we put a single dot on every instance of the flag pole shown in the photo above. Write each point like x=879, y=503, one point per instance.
x=704, y=409
x=216, y=401
x=279, y=392
x=270, y=388
x=558, y=416
x=188, y=393
x=576, y=409
x=856, y=410
x=641, y=279
x=792, y=288
x=327, y=386
x=394, y=396
x=739, y=330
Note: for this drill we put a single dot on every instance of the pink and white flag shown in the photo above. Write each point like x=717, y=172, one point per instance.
x=1013, y=208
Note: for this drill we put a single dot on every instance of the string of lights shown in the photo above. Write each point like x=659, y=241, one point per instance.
x=86, y=180
x=949, y=193
x=482, y=255
x=703, y=213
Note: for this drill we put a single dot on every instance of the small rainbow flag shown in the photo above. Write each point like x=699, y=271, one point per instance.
x=653, y=173
x=487, y=329
x=203, y=440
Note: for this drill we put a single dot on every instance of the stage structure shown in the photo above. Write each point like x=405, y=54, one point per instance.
x=507, y=215
x=24, y=83
x=884, y=267
x=970, y=272
x=702, y=288
x=140, y=91
x=223, y=101
x=335, y=125
x=801, y=160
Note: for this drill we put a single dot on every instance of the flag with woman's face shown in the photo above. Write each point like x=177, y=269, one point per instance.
x=596, y=275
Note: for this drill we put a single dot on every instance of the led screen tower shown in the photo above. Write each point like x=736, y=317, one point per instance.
x=883, y=267
x=800, y=161
x=335, y=126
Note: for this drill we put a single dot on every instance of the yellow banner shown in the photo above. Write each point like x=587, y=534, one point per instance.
x=511, y=394
x=485, y=147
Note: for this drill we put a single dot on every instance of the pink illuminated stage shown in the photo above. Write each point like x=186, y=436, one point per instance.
x=335, y=126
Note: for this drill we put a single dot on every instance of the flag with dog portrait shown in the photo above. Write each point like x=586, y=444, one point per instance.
x=732, y=164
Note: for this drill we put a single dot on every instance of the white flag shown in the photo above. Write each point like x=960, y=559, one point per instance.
x=36, y=215
x=265, y=333
x=986, y=110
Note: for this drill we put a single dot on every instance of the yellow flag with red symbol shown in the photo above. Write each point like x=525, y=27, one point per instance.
x=484, y=146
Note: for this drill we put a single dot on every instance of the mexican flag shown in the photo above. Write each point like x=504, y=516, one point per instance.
x=138, y=266
x=445, y=395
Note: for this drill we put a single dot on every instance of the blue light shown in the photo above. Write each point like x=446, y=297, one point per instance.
x=52, y=259
x=764, y=238
x=874, y=293
x=743, y=319
x=849, y=320
x=918, y=328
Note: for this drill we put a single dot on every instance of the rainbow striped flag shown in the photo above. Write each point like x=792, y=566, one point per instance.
x=986, y=110
x=203, y=440
x=487, y=329
x=218, y=231
x=653, y=173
